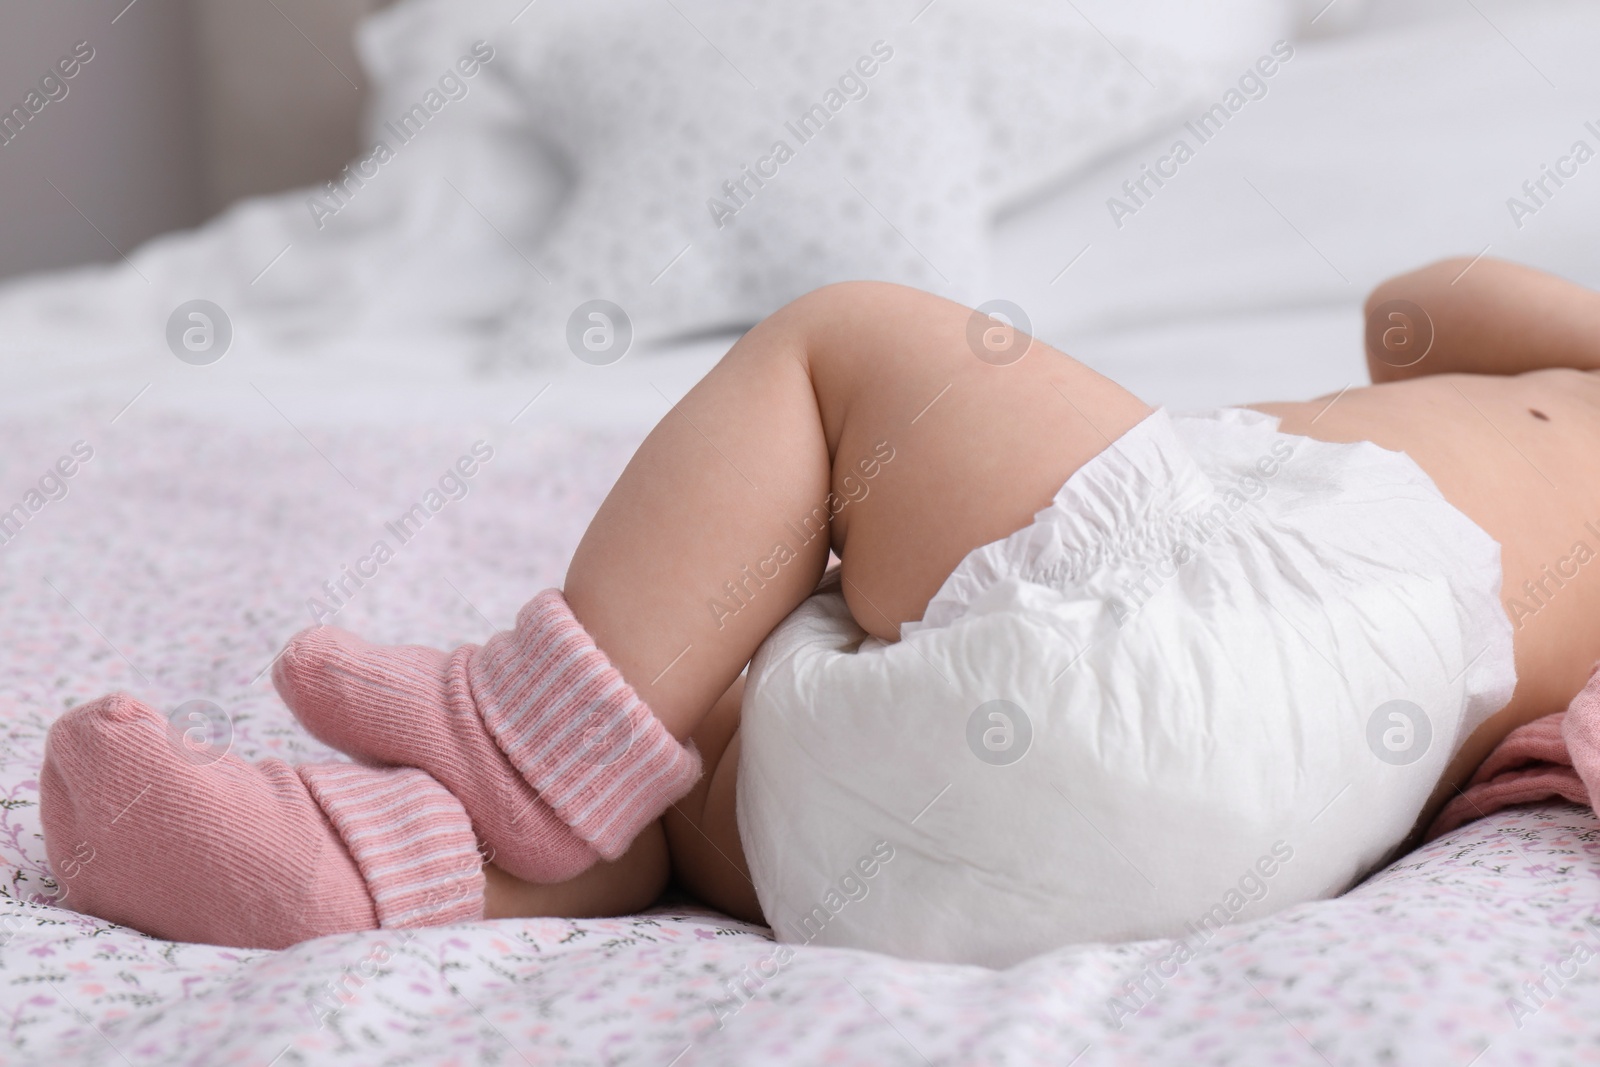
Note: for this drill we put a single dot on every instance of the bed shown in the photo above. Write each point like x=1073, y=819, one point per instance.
x=176, y=560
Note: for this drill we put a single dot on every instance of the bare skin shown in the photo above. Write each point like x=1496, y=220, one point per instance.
x=1500, y=412
x=1504, y=414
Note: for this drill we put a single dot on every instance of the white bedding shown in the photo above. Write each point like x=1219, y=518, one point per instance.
x=182, y=558
x=1381, y=151
x=1417, y=967
x=212, y=484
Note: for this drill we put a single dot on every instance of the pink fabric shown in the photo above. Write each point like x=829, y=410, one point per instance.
x=556, y=759
x=410, y=838
x=1556, y=756
x=207, y=848
x=576, y=730
x=408, y=705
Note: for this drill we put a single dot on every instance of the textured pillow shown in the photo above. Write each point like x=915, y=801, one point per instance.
x=698, y=162
x=726, y=157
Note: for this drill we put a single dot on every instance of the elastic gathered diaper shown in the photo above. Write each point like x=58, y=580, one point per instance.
x=1219, y=675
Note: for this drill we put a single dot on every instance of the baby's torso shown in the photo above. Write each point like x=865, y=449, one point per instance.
x=1521, y=458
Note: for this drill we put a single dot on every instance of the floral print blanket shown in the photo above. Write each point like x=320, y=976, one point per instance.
x=177, y=556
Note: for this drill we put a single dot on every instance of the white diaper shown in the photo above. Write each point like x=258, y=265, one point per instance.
x=1219, y=675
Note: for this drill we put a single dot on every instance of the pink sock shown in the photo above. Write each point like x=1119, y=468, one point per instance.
x=578, y=733
x=251, y=855
x=555, y=757
x=408, y=705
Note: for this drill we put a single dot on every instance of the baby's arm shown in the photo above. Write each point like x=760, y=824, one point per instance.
x=1494, y=318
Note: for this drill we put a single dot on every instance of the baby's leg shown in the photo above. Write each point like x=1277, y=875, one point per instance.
x=867, y=417
x=699, y=828
x=871, y=392
x=875, y=394
x=702, y=829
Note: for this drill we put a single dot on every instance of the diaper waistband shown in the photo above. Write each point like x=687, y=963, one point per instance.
x=1139, y=499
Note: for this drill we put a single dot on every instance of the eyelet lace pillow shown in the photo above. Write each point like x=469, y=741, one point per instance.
x=701, y=162
x=726, y=157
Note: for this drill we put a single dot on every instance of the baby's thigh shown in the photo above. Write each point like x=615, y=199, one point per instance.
x=949, y=431
x=703, y=828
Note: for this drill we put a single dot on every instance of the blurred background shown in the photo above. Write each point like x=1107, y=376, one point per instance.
x=202, y=102
x=189, y=159
x=194, y=104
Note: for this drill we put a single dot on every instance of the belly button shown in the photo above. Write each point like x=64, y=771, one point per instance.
x=1536, y=413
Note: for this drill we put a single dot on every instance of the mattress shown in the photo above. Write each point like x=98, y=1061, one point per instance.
x=219, y=498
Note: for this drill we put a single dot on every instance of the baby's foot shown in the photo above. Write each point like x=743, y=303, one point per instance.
x=408, y=705
x=556, y=758
x=252, y=855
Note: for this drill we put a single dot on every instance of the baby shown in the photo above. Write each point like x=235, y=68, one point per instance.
x=572, y=765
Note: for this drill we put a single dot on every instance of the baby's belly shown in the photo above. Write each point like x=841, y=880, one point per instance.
x=1521, y=458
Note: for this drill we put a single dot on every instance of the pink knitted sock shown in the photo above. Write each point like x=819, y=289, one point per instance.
x=555, y=757
x=251, y=855
x=578, y=733
x=407, y=705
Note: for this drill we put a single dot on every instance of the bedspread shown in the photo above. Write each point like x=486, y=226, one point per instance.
x=184, y=552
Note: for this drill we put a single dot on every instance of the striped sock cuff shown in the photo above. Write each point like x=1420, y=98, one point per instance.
x=410, y=838
x=575, y=730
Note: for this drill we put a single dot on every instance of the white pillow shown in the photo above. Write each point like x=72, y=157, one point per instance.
x=932, y=123
x=589, y=146
x=1055, y=86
